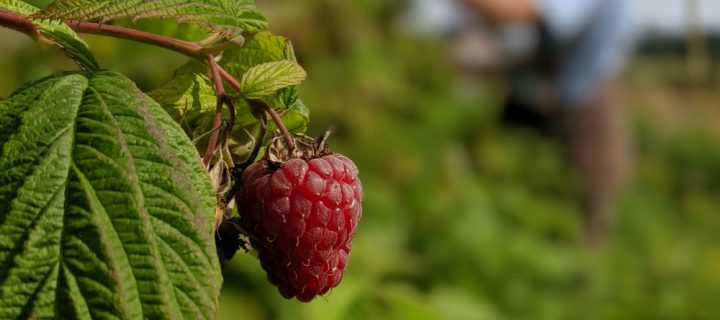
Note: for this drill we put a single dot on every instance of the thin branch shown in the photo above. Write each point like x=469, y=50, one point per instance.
x=221, y=100
x=258, y=143
x=217, y=79
x=230, y=79
x=24, y=24
x=262, y=104
x=187, y=48
x=231, y=108
x=17, y=22
x=217, y=123
x=237, y=171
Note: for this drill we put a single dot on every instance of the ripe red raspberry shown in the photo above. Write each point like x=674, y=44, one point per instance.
x=301, y=216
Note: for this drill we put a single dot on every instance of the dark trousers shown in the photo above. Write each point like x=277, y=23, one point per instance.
x=597, y=140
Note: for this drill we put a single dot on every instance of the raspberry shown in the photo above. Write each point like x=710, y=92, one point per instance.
x=301, y=216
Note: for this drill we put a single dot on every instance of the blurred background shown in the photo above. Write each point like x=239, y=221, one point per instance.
x=466, y=217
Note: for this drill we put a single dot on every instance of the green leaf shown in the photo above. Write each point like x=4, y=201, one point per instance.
x=264, y=79
x=190, y=92
x=260, y=48
x=190, y=98
x=187, y=96
x=297, y=118
x=230, y=17
x=105, y=209
x=58, y=33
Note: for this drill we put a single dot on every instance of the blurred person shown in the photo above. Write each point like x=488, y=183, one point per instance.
x=571, y=80
x=568, y=83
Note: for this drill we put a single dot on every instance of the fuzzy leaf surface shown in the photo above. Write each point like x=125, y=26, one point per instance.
x=105, y=209
x=264, y=79
x=231, y=17
x=260, y=48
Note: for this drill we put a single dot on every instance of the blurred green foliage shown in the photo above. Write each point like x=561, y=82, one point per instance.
x=465, y=219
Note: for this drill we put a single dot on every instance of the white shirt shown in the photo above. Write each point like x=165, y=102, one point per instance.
x=594, y=38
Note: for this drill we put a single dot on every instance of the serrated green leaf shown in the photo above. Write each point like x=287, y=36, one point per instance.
x=259, y=48
x=267, y=78
x=191, y=90
x=231, y=17
x=190, y=98
x=57, y=32
x=105, y=209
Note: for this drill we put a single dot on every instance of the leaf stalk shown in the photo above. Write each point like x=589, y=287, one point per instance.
x=25, y=24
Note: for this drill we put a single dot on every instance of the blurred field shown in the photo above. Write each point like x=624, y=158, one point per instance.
x=465, y=219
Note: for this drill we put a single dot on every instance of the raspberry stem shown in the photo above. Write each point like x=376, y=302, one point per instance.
x=258, y=143
x=259, y=103
x=262, y=105
x=25, y=24
x=222, y=99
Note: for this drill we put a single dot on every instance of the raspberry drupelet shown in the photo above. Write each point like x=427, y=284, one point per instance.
x=301, y=216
